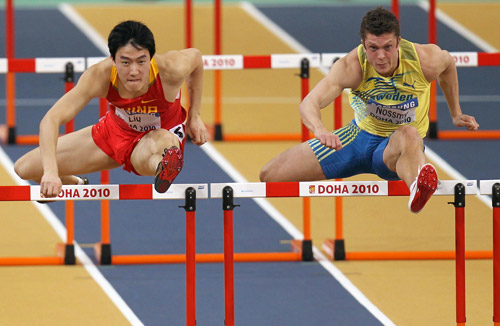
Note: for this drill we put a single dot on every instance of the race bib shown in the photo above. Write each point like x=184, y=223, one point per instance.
x=397, y=114
x=179, y=131
x=140, y=121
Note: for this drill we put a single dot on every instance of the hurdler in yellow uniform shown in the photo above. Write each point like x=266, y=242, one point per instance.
x=381, y=105
x=389, y=78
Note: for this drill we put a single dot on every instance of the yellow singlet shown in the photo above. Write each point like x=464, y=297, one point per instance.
x=382, y=104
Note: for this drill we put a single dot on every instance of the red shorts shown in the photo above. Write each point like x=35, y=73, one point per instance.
x=118, y=143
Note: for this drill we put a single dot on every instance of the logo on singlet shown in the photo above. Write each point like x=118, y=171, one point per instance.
x=147, y=101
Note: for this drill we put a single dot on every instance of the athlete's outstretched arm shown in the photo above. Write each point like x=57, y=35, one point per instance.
x=65, y=109
x=345, y=73
x=439, y=64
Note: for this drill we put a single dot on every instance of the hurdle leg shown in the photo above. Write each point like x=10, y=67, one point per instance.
x=496, y=253
x=307, y=252
x=190, y=208
x=103, y=250
x=228, y=206
x=459, y=204
x=69, y=247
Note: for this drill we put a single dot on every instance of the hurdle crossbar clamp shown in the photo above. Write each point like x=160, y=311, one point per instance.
x=190, y=203
x=228, y=199
x=459, y=196
x=495, y=192
x=69, y=72
x=304, y=68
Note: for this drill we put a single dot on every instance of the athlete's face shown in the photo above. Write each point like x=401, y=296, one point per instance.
x=382, y=52
x=132, y=66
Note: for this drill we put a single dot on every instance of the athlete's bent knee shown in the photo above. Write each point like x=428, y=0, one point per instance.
x=263, y=175
x=21, y=169
x=409, y=135
x=164, y=139
x=266, y=173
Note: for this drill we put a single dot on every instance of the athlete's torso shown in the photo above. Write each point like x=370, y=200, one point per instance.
x=383, y=104
x=147, y=112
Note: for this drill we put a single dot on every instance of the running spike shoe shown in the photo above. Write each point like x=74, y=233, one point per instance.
x=168, y=169
x=422, y=188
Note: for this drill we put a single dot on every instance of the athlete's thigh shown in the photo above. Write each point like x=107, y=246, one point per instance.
x=77, y=153
x=298, y=163
x=354, y=157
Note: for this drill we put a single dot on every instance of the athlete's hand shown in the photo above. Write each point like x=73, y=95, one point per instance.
x=329, y=140
x=196, y=130
x=467, y=121
x=50, y=185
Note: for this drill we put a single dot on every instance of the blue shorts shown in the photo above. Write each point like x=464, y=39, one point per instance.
x=362, y=152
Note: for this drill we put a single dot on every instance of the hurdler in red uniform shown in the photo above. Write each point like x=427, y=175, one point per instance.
x=129, y=120
x=145, y=129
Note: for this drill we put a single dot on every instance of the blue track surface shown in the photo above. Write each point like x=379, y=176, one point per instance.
x=266, y=293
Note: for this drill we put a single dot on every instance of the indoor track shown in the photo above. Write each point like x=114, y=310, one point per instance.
x=266, y=293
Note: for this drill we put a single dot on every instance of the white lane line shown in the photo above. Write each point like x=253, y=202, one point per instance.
x=459, y=28
x=71, y=14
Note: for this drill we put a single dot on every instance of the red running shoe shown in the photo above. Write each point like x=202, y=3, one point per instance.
x=423, y=188
x=168, y=169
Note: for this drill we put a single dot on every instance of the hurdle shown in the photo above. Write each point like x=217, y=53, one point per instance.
x=335, y=248
x=188, y=192
x=294, y=255
x=459, y=189
x=351, y=189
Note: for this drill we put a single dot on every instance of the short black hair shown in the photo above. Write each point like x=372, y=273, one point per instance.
x=379, y=21
x=133, y=32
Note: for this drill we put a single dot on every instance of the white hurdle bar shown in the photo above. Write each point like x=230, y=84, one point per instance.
x=102, y=192
x=333, y=189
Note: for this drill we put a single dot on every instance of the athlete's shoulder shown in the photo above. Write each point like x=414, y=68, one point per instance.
x=95, y=80
x=433, y=59
x=178, y=63
x=426, y=51
x=102, y=67
x=347, y=71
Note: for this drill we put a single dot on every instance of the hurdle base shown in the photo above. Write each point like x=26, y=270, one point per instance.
x=334, y=248
x=303, y=247
x=67, y=251
x=31, y=261
x=206, y=258
x=102, y=252
x=218, y=132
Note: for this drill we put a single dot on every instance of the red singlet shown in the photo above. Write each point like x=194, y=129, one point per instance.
x=128, y=120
